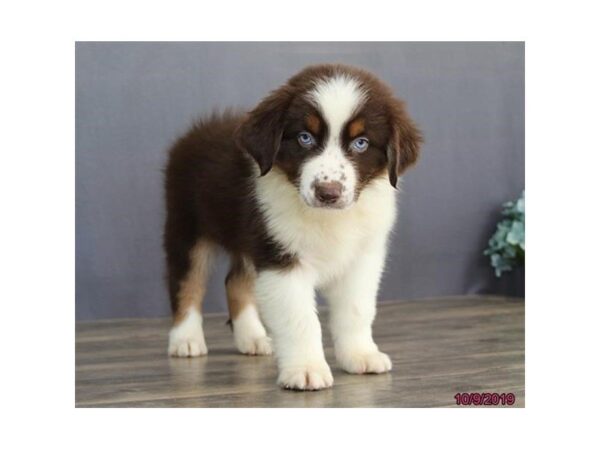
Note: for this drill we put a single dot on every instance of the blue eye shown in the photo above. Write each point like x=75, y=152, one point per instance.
x=359, y=145
x=305, y=139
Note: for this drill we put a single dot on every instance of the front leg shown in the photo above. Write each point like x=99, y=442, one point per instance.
x=286, y=300
x=352, y=299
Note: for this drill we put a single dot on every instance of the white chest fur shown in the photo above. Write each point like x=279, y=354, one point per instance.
x=325, y=240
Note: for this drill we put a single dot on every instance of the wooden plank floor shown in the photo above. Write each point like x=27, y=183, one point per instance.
x=438, y=348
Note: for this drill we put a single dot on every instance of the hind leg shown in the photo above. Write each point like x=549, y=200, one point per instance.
x=248, y=332
x=188, y=273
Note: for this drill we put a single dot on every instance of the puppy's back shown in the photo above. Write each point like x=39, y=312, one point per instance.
x=209, y=145
x=208, y=177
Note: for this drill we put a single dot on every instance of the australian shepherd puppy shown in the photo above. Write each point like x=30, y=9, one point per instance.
x=300, y=193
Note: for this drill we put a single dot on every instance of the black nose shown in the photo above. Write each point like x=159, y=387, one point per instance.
x=329, y=192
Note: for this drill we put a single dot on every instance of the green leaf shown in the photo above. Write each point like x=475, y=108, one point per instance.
x=506, y=247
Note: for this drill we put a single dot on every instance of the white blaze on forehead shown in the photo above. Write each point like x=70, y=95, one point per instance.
x=337, y=98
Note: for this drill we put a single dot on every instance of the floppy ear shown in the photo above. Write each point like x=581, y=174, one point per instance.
x=261, y=131
x=403, y=148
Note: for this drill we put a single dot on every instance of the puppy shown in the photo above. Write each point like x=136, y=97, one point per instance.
x=300, y=193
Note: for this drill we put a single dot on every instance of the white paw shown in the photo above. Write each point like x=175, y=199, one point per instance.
x=188, y=348
x=308, y=378
x=187, y=338
x=372, y=362
x=249, y=334
x=248, y=345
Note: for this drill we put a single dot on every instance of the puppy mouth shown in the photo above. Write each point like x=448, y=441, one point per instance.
x=321, y=205
x=338, y=205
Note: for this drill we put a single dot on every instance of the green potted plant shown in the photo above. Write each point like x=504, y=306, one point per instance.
x=506, y=248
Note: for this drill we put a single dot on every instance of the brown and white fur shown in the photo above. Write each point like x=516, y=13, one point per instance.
x=296, y=215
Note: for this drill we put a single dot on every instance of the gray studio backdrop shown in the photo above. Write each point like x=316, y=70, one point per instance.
x=134, y=99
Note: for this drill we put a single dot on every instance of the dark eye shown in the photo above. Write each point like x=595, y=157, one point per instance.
x=305, y=139
x=359, y=145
